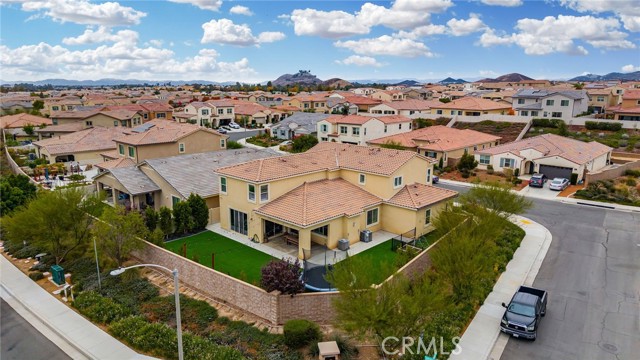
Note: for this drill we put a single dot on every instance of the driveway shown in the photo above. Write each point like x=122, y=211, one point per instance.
x=542, y=193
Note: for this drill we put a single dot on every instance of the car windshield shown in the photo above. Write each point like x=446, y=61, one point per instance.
x=556, y=182
x=520, y=309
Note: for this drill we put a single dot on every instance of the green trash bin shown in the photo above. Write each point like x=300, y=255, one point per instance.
x=57, y=272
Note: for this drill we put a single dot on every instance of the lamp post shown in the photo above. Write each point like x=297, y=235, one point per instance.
x=95, y=248
x=119, y=271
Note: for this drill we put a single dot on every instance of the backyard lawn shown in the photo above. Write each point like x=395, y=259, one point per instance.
x=231, y=257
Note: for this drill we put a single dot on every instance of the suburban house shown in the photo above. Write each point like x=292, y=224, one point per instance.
x=313, y=103
x=165, y=181
x=214, y=113
x=549, y=154
x=364, y=104
x=253, y=113
x=358, y=129
x=162, y=138
x=331, y=192
x=471, y=106
x=441, y=142
x=84, y=147
x=389, y=95
x=418, y=94
x=12, y=126
x=12, y=106
x=405, y=107
x=629, y=109
x=602, y=99
x=562, y=104
x=300, y=123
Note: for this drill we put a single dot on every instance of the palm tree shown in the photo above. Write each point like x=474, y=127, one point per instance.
x=578, y=85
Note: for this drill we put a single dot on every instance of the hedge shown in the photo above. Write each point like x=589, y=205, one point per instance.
x=160, y=340
x=610, y=126
x=98, y=308
x=299, y=333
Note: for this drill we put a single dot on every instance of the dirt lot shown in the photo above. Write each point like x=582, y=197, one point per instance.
x=481, y=177
x=626, y=140
x=508, y=131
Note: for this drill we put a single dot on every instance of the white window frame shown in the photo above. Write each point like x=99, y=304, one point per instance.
x=397, y=182
x=377, y=212
x=355, y=131
x=323, y=128
x=223, y=184
x=362, y=179
x=346, y=130
x=263, y=200
x=484, y=159
x=549, y=102
x=249, y=193
x=564, y=102
x=511, y=162
x=222, y=143
x=520, y=101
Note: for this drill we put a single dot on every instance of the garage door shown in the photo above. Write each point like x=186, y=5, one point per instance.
x=556, y=171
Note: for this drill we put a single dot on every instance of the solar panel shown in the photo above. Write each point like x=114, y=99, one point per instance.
x=142, y=128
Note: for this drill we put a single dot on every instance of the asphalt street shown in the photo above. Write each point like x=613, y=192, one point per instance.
x=237, y=135
x=19, y=340
x=592, y=274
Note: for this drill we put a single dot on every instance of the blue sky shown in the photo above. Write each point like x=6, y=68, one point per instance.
x=255, y=41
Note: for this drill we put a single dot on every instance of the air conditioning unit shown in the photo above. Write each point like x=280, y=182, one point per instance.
x=343, y=244
x=366, y=236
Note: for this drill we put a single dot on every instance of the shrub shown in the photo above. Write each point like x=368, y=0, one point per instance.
x=299, y=333
x=76, y=177
x=27, y=251
x=441, y=163
x=151, y=218
x=490, y=169
x=36, y=275
x=508, y=173
x=197, y=315
x=543, y=123
x=631, y=182
x=610, y=126
x=465, y=173
x=98, y=308
x=634, y=173
x=637, y=145
x=282, y=275
x=623, y=143
x=516, y=172
x=467, y=162
x=574, y=178
x=303, y=143
x=234, y=145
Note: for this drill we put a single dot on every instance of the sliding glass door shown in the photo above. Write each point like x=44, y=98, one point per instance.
x=239, y=222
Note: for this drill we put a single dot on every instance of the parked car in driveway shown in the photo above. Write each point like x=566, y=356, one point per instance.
x=558, y=184
x=234, y=125
x=222, y=131
x=225, y=128
x=435, y=179
x=537, y=180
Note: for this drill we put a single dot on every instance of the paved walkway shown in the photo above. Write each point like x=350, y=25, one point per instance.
x=480, y=340
x=74, y=334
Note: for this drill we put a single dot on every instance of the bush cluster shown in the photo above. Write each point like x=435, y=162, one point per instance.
x=598, y=125
x=99, y=308
x=634, y=173
x=299, y=333
x=36, y=275
x=197, y=315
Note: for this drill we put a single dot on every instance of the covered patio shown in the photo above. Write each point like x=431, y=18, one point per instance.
x=128, y=187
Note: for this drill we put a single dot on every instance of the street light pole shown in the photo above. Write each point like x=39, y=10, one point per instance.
x=176, y=286
x=95, y=248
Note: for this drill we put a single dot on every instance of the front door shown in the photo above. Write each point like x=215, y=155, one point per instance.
x=531, y=167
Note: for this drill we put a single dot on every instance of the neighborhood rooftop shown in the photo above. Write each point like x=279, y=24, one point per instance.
x=438, y=138
x=416, y=196
x=161, y=131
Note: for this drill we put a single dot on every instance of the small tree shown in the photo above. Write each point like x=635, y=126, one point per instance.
x=562, y=128
x=29, y=129
x=119, y=233
x=441, y=163
x=151, y=218
x=182, y=218
x=15, y=191
x=390, y=144
x=467, y=162
x=234, y=145
x=165, y=221
x=303, y=143
x=445, y=100
x=282, y=275
x=497, y=198
x=199, y=211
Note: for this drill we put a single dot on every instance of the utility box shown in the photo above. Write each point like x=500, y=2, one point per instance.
x=328, y=350
x=366, y=236
x=343, y=244
x=57, y=273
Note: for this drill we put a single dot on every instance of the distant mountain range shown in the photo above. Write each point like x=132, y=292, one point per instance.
x=632, y=76
x=113, y=82
x=450, y=80
x=513, y=77
x=302, y=77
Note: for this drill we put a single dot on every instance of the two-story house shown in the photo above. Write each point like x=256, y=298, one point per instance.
x=331, y=192
x=563, y=104
x=405, y=107
x=358, y=129
x=471, y=106
x=389, y=95
x=602, y=99
x=629, y=109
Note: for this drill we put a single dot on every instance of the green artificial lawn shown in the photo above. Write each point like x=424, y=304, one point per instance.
x=231, y=257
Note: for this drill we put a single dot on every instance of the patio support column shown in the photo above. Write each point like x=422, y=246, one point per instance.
x=304, y=243
x=114, y=194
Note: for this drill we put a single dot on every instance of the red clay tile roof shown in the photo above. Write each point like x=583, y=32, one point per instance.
x=322, y=157
x=117, y=163
x=314, y=202
x=20, y=120
x=416, y=196
x=631, y=95
x=412, y=104
x=93, y=139
x=162, y=131
x=62, y=128
x=361, y=100
x=438, y=138
x=473, y=103
x=553, y=145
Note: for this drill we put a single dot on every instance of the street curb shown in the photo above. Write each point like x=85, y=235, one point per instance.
x=46, y=323
x=491, y=351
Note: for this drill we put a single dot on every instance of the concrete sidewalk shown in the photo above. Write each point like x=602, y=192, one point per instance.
x=74, y=334
x=482, y=339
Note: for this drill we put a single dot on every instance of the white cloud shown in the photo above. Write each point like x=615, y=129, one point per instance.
x=508, y=3
x=422, y=31
x=119, y=60
x=386, y=45
x=487, y=73
x=241, y=10
x=628, y=11
x=360, y=61
x=213, y=5
x=466, y=27
x=101, y=35
x=551, y=34
x=630, y=68
x=402, y=14
x=224, y=31
x=156, y=42
x=85, y=12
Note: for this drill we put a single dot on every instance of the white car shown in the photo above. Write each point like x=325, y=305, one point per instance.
x=234, y=125
x=558, y=184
